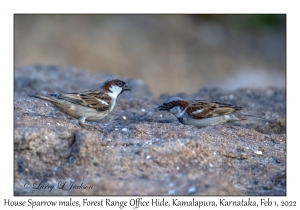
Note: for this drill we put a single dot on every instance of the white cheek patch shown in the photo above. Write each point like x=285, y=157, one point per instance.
x=116, y=90
x=175, y=110
x=198, y=111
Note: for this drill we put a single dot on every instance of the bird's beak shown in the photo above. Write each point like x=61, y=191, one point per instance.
x=161, y=108
x=126, y=87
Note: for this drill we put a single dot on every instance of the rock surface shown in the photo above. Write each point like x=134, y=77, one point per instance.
x=144, y=152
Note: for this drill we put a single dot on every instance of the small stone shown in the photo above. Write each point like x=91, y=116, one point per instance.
x=192, y=189
x=171, y=192
x=148, y=157
x=143, y=110
x=171, y=184
x=124, y=118
x=258, y=152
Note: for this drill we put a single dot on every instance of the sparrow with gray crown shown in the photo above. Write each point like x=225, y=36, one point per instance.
x=91, y=105
x=202, y=113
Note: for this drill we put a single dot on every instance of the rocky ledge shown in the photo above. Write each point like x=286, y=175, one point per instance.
x=144, y=152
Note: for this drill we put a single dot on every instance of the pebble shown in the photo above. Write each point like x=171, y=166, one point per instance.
x=171, y=184
x=171, y=192
x=192, y=189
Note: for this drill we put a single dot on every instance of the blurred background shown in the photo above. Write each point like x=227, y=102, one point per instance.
x=171, y=53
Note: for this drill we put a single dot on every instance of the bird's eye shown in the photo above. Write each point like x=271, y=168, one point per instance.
x=119, y=83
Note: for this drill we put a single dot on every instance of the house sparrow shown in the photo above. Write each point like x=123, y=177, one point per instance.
x=202, y=113
x=88, y=105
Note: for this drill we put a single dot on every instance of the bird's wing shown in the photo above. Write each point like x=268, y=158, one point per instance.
x=96, y=99
x=204, y=109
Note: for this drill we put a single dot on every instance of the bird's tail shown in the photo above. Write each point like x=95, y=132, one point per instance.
x=250, y=117
x=44, y=98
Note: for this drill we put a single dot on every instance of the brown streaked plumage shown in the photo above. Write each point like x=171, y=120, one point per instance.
x=90, y=105
x=202, y=113
x=209, y=109
x=89, y=99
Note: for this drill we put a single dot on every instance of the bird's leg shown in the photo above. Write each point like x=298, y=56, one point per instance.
x=85, y=125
